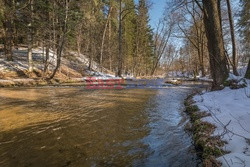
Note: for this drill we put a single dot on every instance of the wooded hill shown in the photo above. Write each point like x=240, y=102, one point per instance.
x=116, y=34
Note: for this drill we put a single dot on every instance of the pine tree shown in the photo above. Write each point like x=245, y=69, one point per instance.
x=8, y=24
x=1, y=21
x=88, y=27
x=129, y=33
x=144, y=41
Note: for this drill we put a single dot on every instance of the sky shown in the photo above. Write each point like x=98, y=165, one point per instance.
x=156, y=11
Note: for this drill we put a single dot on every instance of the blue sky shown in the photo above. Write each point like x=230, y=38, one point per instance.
x=156, y=11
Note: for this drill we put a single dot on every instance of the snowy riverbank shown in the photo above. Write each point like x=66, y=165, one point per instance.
x=229, y=111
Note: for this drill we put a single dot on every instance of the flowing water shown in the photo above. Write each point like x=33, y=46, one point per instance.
x=73, y=126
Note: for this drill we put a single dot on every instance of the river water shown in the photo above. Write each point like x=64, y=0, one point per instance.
x=73, y=126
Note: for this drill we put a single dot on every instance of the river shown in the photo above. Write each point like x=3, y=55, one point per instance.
x=73, y=126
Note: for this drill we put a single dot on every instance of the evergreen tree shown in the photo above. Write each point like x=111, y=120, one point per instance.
x=8, y=24
x=1, y=21
x=144, y=40
x=129, y=32
x=112, y=45
x=88, y=27
x=1, y=14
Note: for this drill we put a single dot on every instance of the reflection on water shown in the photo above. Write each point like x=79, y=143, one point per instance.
x=79, y=127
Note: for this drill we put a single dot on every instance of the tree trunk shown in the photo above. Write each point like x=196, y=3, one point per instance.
x=9, y=31
x=219, y=9
x=79, y=38
x=46, y=63
x=62, y=40
x=248, y=70
x=109, y=46
x=161, y=43
x=47, y=41
x=103, y=37
x=232, y=37
x=30, y=38
x=202, y=56
x=8, y=44
x=119, y=72
x=216, y=50
x=89, y=47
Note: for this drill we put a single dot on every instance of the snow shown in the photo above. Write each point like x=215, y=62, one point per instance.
x=230, y=112
x=180, y=74
x=233, y=77
x=242, y=68
x=20, y=59
x=95, y=68
x=206, y=78
x=100, y=76
x=20, y=62
x=85, y=60
x=189, y=75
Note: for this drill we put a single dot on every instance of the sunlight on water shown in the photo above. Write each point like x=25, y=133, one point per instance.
x=79, y=127
x=20, y=117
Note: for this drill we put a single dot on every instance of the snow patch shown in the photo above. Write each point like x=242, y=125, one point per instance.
x=230, y=113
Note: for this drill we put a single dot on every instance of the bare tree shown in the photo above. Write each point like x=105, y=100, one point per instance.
x=62, y=39
x=191, y=28
x=234, y=64
x=161, y=39
x=104, y=35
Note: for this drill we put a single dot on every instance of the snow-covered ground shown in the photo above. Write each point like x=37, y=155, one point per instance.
x=230, y=112
x=100, y=75
x=178, y=75
x=20, y=59
x=73, y=62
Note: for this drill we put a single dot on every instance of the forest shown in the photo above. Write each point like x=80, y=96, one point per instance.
x=116, y=34
x=125, y=83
